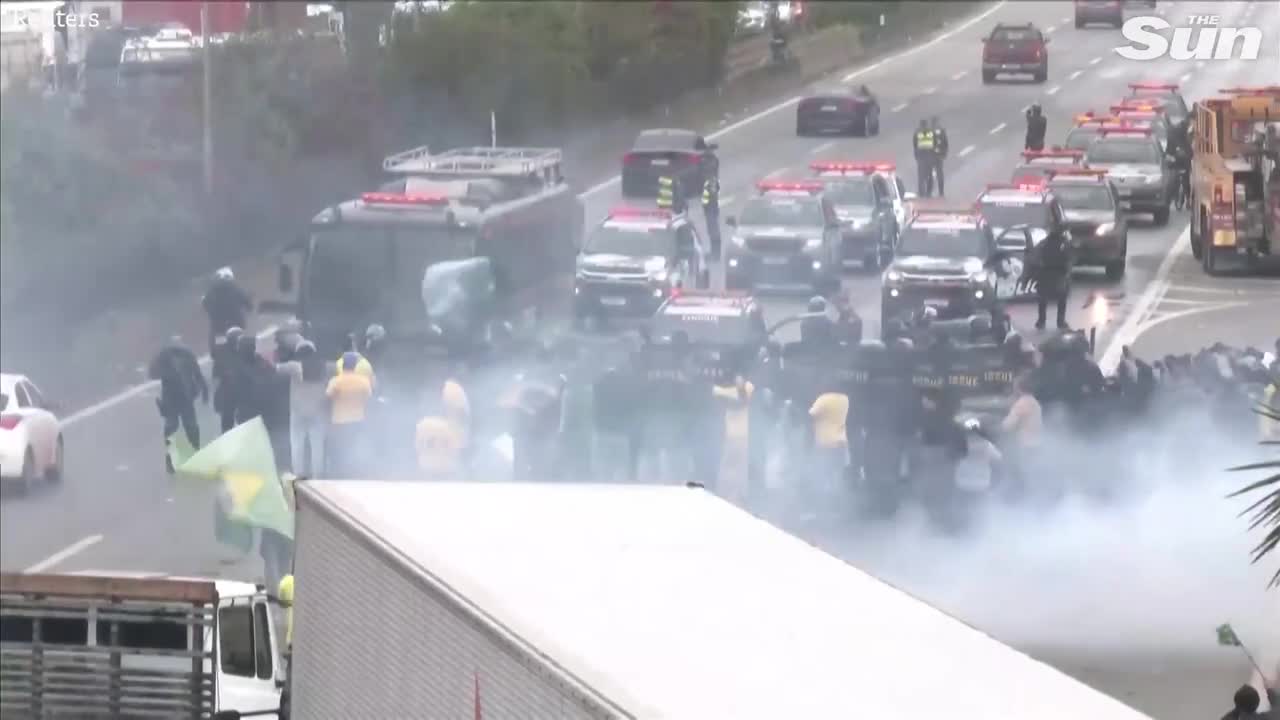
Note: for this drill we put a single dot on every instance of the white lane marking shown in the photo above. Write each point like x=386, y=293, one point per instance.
x=1246, y=289
x=1199, y=64
x=960, y=74
x=930, y=91
x=820, y=148
x=69, y=551
x=776, y=173
x=1076, y=74
x=998, y=128
x=1065, y=20
x=1053, y=90
x=1184, y=301
x=1051, y=29
x=1132, y=327
x=1095, y=61
x=136, y=390
x=727, y=200
x=1163, y=318
x=1185, y=77
x=606, y=184
x=898, y=108
x=967, y=149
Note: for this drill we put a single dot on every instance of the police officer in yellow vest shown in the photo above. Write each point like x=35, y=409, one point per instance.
x=671, y=194
x=711, y=211
x=924, y=144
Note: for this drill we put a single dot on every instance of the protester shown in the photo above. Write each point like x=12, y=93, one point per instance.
x=349, y=394
x=733, y=481
x=439, y=444
x=181, y=384
x=226, y=305
x=829, y=413
x=227, y=372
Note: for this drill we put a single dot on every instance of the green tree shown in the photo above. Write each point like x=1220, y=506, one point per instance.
x=1266, y=510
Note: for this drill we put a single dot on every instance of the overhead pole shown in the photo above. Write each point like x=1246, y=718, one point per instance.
x=207, y=61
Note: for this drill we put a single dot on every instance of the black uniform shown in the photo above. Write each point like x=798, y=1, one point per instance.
x=924, y=143
x=1037, y=125
x=181, y=383
x=227, y=305
x=711, y=211
x=1052, y=264
x=941, y=146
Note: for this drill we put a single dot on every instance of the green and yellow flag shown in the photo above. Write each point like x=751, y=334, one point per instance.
x=1227, y=636
x=242, y=459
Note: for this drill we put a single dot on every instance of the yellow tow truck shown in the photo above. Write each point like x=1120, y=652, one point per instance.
x=1235, y=177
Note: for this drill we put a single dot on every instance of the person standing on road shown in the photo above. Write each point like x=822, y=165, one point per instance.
x=711, y=211
x=227, y=374
x=226, y=304
x=1037, y=125
x=830, y=415
x=1052, y=264
x=924, y=146
x=306, y=407
x=349, y=394
x=733, y=481
x=941, y=146
x=181, y=382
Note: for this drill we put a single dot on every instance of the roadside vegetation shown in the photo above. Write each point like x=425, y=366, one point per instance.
x=1264, y=512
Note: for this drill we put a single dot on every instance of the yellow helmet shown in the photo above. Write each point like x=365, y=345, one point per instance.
x=285, y=591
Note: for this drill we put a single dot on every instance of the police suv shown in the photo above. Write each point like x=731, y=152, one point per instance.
x=1021, y=217
x=1088, y=127
x=726, y=333
x=1167, y=96
x=1039, y=164
x=1136, y=163
x=787, y=238
x=942, y=262
x=869, y=200
x=631, y=263
x=1095, y=217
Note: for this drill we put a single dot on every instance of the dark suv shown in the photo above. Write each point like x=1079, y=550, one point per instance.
x=1095, y=216
x=681, y=154
x=1107, y=12
x=943, y=261
x=1015, y=49
x=863, y=201
x=787, y=238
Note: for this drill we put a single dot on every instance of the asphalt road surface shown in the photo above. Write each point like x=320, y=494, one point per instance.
x=117, y=510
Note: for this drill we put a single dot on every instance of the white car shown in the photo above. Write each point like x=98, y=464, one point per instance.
x=30, y=434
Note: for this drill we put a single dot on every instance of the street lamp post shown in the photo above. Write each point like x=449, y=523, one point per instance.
x=208, y=97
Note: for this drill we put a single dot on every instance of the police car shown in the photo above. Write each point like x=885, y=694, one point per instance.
x=1136, y=163
x=726, y=332
x=1039, y=164
x=632, y=262
x=1168, y=97
x=1144, y=116
x=1095, y=217
x=869, y=200
x=1021, y=217
x=787, y=238
x=942, y=262
x=1087, y=128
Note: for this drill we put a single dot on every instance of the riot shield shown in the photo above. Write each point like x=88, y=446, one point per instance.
x=458, y=297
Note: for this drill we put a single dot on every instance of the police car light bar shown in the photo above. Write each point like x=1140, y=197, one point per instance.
x=769, y=185
x=1121, y=131
x=1055, y=173
x=635, y=212
x=1132, y=111
x=862, y=167
x=1085, y=116
x=1027, y=185
x=1152, y=86
x=386, y=198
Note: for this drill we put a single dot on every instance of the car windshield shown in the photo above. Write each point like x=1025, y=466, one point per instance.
x=943, y=242
x=1015, y=35
x=1084, y=197
x=854, y=191
x=1034, y=170
x=1008, y=214
x=1115, y=150
x=360, y=273
x=633, y=241
x=712, y=327
x=783, y=210
x=1081, y=138
x=648, y=142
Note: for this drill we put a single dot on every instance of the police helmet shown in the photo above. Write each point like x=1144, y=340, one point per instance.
x=1013, y=342
x=980, y=327
x=817, y=304
x=375, y=333
x=930, y=314
x=233, y=335
x=872, y=345
x=904, y=344
x=1077, y=343
x=247, y=346
x=224, y=273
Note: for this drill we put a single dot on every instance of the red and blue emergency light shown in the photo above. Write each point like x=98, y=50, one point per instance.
x=855, y=167
x=775, y=186
x=388, y=198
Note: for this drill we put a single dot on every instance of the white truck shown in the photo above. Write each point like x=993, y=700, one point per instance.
x=136, y=645
x=561, y=601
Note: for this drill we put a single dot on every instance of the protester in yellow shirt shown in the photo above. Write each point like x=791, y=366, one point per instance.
x=362, y=366
x=735, y=455
x=285, y=595
x=830, y=413
x=349, y=394
x=439, y=448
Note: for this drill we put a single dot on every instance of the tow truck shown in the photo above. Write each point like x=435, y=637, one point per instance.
x=1235, y=177
x=869, y=200
x=632, y=262
x=1038, y=164
x=788, y=237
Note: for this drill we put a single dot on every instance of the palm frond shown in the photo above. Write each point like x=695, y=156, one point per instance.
x=1265, y=511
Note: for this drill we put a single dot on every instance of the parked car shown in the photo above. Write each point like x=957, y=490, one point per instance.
x=30, y=434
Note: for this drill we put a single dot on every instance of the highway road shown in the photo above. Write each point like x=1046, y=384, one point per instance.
x=118, y=510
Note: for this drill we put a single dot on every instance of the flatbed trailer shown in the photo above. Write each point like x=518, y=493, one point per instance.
x=515, y=601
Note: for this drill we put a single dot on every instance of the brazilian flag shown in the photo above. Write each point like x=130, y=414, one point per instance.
x=1227, y=636
x=241, y=459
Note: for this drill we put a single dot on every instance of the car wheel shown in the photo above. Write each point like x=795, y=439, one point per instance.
x=801, y=129
x=1079, y=23
x=1042, y=74
x=53, y=473
x=27, y=480
x=875, y=126
x=1115, y=270
x=1209, y=261
x=1198, y=235
x=1161, y=215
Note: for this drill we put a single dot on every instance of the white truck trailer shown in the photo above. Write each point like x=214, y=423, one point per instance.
x=532, y=601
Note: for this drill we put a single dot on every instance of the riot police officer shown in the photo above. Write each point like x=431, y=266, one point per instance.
x=711, y=211
x=816, y=327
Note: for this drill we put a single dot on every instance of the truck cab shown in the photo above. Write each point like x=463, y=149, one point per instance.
x=365, y=260
x=138, y=644
x=1235, y=180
